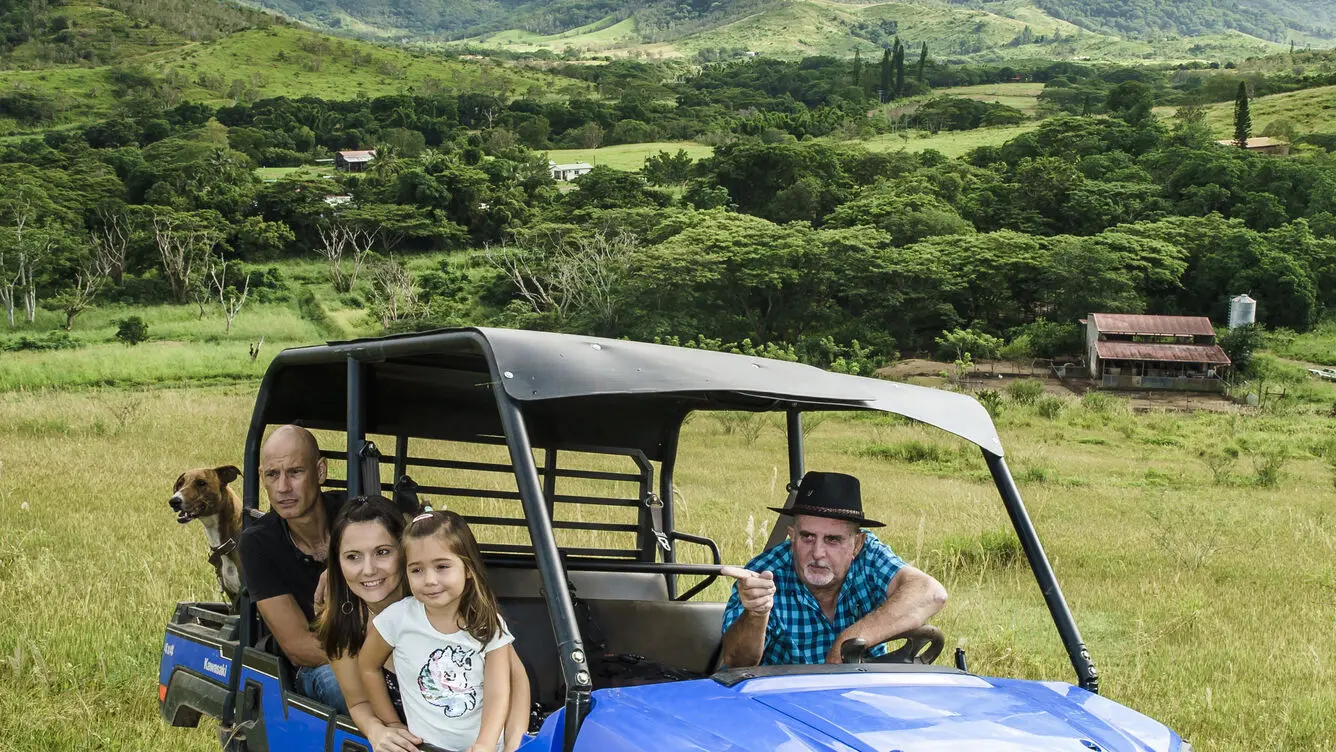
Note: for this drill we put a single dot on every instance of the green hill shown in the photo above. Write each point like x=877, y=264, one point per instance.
x=980, y=30
x=103, y=59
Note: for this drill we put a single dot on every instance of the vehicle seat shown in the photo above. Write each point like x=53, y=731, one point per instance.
x=675, y=633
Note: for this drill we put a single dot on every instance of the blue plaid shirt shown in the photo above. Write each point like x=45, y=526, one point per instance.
x=798, y=631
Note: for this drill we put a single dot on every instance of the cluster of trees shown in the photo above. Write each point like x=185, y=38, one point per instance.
x=786, y=244
x=813, y=98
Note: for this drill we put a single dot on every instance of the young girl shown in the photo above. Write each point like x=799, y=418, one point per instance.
x=451, y=649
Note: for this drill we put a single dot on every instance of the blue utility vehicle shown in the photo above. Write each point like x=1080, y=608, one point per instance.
x=561, y=451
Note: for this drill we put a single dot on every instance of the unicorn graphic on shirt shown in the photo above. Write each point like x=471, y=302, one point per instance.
x=444, y=680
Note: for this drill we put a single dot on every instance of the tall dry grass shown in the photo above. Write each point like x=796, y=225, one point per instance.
x=1207, y=605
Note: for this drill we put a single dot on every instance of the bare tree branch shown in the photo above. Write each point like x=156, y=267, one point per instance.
x=111, y=243
x=228, y=299
x=182, y=247
x=393, y=291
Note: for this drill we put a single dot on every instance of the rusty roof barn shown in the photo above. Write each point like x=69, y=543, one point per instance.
x=1133, y=351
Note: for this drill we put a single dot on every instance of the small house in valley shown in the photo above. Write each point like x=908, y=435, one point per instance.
x=354, y=161
x=1133, y=351
x=567, y=172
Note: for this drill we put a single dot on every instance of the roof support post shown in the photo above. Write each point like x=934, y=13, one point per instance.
x=666, y=466
x=570, y=648
x=1087, y=676
x=356, y=430
x=794, y=421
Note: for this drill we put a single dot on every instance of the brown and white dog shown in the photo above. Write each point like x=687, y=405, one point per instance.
x=202, y=494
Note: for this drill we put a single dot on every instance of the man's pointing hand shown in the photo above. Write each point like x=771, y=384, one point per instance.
x=755, y=591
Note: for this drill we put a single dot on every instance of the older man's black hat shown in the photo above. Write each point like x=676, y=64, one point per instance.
x=832, y=495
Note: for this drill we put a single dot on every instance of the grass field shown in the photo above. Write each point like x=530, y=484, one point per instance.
x=1311, y=110
x=1204, y=602
x=627, y=156
x=304, y=171
x=1022, y=96
x=949, y=143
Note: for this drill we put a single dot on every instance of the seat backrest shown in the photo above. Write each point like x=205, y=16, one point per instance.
x=526, y=583
x=675, y=633
x=537, y=647
x=681, y=634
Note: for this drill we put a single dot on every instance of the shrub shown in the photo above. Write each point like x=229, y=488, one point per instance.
x=746, y=425
x=1100, y=403
x=1220, y=462
x=131, y=330
x=50, y=341
x=1050, y=406
x=1269, y=465
x=1025, y=391
x=991, y=399
x=911, y=450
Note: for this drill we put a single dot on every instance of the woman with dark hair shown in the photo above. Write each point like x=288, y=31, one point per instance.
x=364, y=576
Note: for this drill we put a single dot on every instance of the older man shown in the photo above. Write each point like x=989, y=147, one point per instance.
x=831, y=581
x=283, y=555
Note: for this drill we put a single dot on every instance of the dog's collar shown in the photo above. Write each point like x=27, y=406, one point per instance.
x=216, y=553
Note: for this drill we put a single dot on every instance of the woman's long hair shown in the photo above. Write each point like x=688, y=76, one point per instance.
x=342, y=625
x=478, y=612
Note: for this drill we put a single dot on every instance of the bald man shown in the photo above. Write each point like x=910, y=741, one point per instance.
x=283, y=555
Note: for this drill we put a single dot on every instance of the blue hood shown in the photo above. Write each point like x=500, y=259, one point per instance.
x=879, y=712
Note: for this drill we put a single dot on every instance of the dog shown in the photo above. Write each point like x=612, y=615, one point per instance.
x=202, y=494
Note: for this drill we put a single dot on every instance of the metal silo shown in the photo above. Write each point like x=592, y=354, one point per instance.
x=1242, y=311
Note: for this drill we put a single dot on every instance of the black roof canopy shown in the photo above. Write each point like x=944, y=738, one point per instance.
x=575, y=389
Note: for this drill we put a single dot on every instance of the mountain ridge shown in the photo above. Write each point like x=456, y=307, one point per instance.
x=1305, y=22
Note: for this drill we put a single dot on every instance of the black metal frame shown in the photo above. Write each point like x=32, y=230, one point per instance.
x=536, y=493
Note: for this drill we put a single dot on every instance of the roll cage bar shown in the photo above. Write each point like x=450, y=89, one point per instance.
x=557, y=392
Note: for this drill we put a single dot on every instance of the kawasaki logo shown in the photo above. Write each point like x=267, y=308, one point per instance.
x=217, y=669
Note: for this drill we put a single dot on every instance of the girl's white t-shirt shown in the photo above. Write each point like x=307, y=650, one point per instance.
x=440, y=675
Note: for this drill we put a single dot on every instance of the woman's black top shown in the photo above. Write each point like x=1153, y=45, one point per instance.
x=392, y=684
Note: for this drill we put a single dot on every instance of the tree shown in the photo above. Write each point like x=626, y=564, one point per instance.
x=89, y=274
x=887, y=75
x=1242, y=119
x=394, y=294
x=131, y=331
x=968, y=344
x=185, y=241
x=580, y=281
x=230, y=300
x=1239, y=344
x=336, y=240
x=110, y=242
x=899, y=63
x=668, y=169
x=858, y=68
x=923, y=61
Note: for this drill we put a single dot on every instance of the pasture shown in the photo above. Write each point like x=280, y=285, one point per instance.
x=628, y=156
x=949, y=143
x=1022, y=96
x=1196, y=551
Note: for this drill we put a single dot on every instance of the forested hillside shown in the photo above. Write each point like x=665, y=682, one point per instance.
x=1276, y=20
x=992, y=29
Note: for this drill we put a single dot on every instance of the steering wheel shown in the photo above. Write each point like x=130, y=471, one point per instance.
x=922, y=646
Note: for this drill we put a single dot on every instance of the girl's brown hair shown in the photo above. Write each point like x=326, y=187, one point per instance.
x=478, y=612
x=341, y=626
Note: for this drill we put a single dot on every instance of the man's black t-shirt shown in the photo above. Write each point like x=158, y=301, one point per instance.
x=273, y=565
